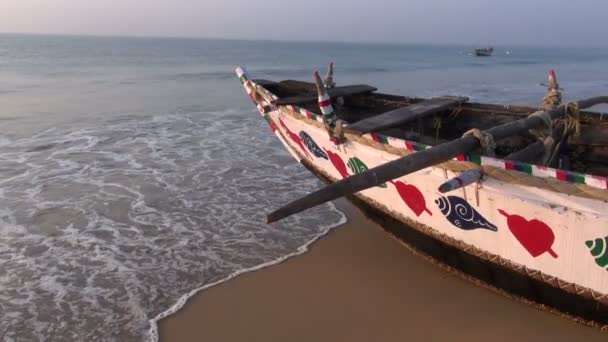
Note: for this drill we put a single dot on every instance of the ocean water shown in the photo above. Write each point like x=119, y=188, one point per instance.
x=135, y=171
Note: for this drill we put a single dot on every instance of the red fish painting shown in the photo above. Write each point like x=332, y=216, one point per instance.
x=295, y=138
x=534, y=235
x=337, y=162
x=412, y=197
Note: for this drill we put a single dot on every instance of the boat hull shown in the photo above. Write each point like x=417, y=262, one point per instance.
x=484, y=52
x=481, y=271
x=524, y=238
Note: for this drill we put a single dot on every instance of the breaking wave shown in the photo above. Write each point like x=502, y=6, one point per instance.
x=107, y=229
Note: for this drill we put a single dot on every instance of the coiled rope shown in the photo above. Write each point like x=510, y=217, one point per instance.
x=486, y=140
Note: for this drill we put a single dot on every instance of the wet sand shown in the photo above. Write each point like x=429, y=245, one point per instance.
x=359, y=284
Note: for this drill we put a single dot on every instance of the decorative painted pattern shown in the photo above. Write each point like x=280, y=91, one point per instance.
x=599, y=250
x=271, y=123
x=556, y=233
x=462, y=215
x=337, y=162
x=312, y=145
x=295, y=138
x=327, y=109
x=534, y=170
x=414, y=146
x=534, y=235
x=412, y=197
x=357, y=166
x=383, y=139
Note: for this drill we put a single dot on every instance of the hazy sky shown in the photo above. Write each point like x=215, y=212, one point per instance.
x=548, y=22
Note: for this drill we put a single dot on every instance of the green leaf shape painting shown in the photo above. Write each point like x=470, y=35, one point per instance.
x=599, y=250
x=357, y=166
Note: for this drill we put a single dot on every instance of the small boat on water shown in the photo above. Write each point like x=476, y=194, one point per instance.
x=484, y=52
x=512, y=197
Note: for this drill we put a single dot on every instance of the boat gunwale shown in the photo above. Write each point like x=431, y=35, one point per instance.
x=467, y=161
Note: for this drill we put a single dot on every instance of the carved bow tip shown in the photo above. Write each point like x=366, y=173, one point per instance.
x=552, y=80
x=319, y=84
x=329, y=78
x=330, y=69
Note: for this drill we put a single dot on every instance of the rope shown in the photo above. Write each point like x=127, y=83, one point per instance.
x=454, y=113
x=572, y=120
x=338, y=132
x=552, y=99
x=572, y=130
x=335, y=130
x=486, y=140
x=437, y=126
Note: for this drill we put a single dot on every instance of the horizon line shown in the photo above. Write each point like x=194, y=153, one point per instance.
x=283, y=40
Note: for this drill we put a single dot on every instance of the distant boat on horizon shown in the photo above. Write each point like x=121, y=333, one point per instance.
x=484, y=52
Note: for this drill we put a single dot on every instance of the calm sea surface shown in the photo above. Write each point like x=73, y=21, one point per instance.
x=134, y=171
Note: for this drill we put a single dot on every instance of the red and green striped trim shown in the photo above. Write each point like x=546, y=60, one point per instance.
x=518, y=166
x=534, y=170
x=414, y=146
x=570, y=177
x=383, y=139
x=270, y=122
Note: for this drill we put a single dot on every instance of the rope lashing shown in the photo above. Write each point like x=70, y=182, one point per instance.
x=337, y=135
x=552, y=99
x=486, y=140
x=572, y=119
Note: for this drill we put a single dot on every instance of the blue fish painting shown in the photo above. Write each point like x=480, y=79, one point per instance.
x=312, y=146
x=462, y=215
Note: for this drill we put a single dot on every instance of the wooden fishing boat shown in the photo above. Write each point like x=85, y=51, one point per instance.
x=512, y=196
x=484, y=52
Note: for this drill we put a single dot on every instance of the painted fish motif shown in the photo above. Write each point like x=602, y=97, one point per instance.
x=296, y=139
x=357, y=166
x=337, y=162
x=312, y=145
x=462, y=215
x=412, y=197
x=599, y=250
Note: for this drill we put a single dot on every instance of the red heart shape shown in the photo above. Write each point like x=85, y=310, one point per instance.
x=412, y=197
x=536, y=237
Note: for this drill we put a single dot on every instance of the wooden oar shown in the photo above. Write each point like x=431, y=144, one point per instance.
x=416, y=161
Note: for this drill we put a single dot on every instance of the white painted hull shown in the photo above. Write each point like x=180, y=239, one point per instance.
x=550, y=236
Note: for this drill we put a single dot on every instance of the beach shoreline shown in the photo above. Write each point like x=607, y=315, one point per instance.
x=351, y=285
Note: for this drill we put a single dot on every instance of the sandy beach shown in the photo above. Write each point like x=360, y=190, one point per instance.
x=359, y=284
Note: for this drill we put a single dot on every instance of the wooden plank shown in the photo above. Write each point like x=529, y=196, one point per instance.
x=403, y=115
x=333, y=93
